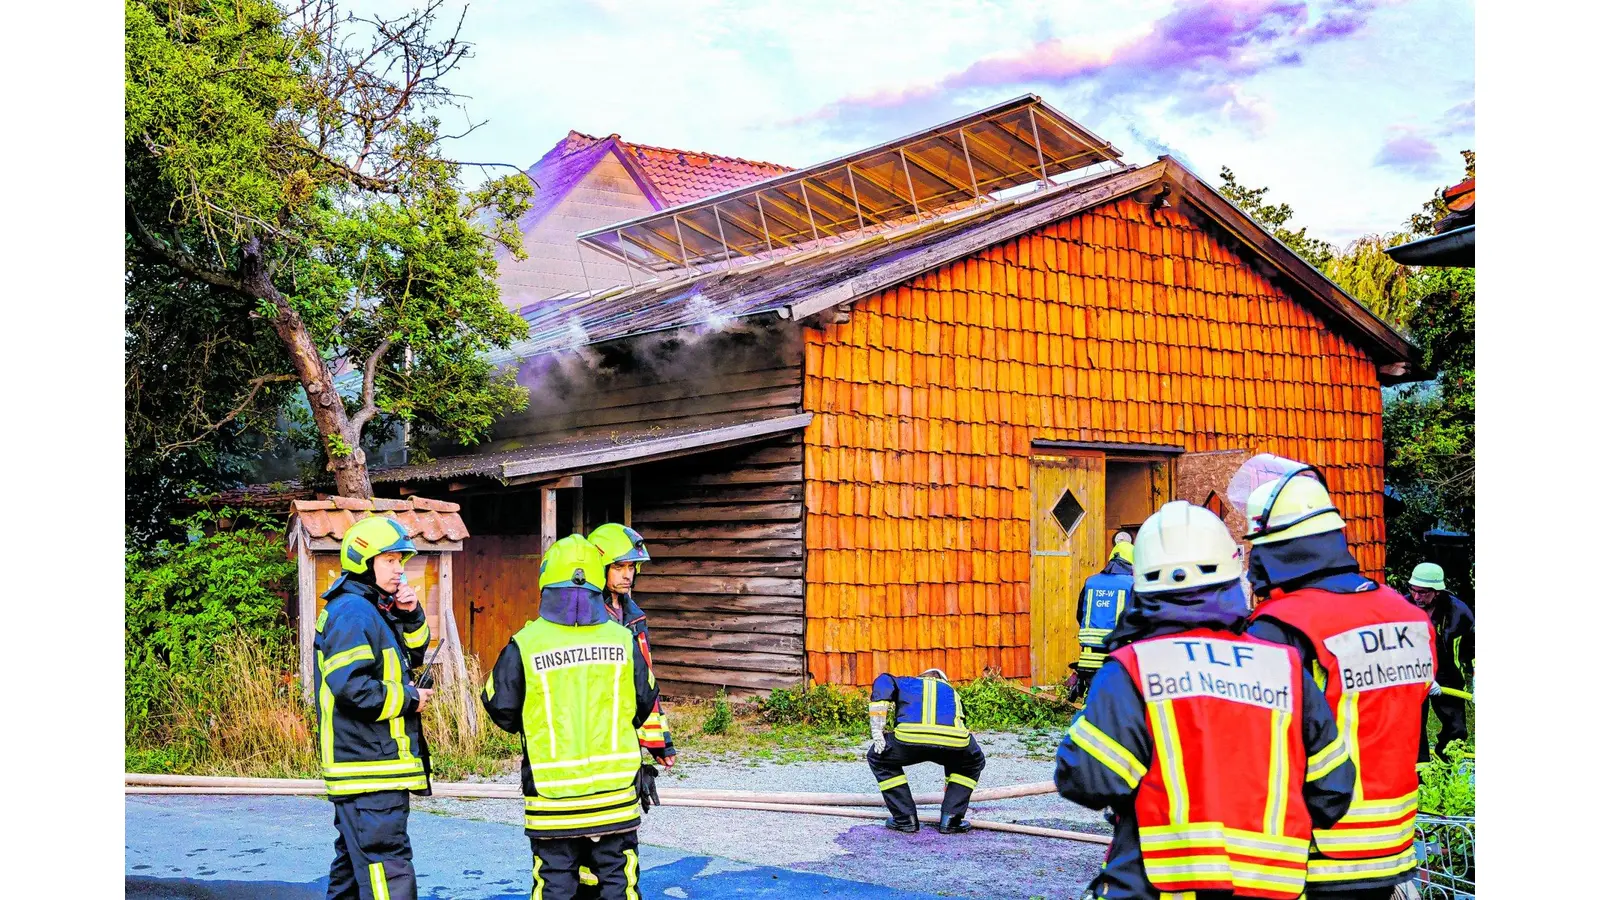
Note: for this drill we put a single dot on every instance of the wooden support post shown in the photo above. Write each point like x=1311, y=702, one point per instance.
x=627, y=496
x=307, y=624
x=455, y=664
x=547, y=519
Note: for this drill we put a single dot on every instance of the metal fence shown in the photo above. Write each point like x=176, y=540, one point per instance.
x=1447, y=853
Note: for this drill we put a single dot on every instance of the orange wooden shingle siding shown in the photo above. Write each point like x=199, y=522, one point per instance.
x=927, y=400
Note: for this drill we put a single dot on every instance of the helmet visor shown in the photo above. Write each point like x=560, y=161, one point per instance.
x=1263, y=468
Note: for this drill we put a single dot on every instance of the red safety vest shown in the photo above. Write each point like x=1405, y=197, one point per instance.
x=1221, y=807
x=1377, y=660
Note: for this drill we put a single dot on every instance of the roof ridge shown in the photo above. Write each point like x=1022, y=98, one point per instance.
x=717, y=156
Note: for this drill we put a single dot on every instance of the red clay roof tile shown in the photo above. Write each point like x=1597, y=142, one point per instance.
x=426, y=521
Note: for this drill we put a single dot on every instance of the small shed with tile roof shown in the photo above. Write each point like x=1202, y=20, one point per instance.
x=316, y=529
x=905, y=444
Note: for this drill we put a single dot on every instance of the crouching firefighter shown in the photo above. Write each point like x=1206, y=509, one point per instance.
x=1216, y=754
x=1369, y=651
x=575, y=686
x=929, y=726
x=370, y=636
x=1100, y=607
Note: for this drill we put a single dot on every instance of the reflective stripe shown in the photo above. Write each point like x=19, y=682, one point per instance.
x=1215, y=866
x=380, y=881
x=370, y=785
x=1277, y=807
x=1178, y=895
x=616, y=704
x=606, y=757
x=588, y=801
x=930, y=705
x=373, y=767
x=1366, y=838
x=1111, y=754
x=418, y=638
x=340, y=660
x=1321, y=869
x=562, y=823
x=591, y=779
x=1324, y=761
x=962, y=780
x=631, y=869
x=1178, y=837
x=889, y=783
x=1349, y=718
x=586, y=877
x=1379, y=810
x=538, y=880
x=488, y=688
x=1169, y=751
x=935, y=735
x=878, y=706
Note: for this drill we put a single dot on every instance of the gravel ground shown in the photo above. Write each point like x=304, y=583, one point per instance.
x=978, y=864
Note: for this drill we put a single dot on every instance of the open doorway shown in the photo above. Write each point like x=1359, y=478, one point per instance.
x=1135, y=489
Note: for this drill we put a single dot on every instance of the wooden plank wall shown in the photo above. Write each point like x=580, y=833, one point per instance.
x=1116, y=325
x=725, y=587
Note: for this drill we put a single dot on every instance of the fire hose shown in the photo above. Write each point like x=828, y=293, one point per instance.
x=1452, y=692
x=817, y=804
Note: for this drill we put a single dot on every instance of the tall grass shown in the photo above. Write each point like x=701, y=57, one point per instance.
x=238, y=713
x=466, y=744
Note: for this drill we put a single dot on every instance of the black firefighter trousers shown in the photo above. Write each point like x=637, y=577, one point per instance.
x=613, y=858
x=372, y=854
x=962, y=766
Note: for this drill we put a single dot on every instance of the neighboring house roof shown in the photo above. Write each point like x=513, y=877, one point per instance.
x=803, y=284
x=666, y=176
x=1454, y=236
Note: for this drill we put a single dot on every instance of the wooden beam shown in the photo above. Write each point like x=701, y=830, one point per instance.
x=698, y=442
x=455, y=655
x=547, y=519
x=307, y=612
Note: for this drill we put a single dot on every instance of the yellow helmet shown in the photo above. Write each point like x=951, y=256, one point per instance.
x=619, y=543
x=370, y=537
x=572, y=562
x=1290, y=507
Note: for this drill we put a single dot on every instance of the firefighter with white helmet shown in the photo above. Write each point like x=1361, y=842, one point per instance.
x=1216, y=754
x=1367, y=648
x=929, y=726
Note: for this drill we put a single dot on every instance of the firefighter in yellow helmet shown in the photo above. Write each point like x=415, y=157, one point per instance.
x=556, y=684
x=625, y=554
x=370, y=636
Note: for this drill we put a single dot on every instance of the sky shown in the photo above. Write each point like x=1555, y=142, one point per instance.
x=1351, y=111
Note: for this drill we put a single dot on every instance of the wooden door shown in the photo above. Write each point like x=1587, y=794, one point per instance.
x=496, y=591
x=1068, y=528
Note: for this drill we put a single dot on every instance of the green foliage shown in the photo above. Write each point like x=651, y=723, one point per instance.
x=1368, y=274
x=721, y=715
x=823, y=707
x=1275, y=219
x=994, y=704
x=1429, y=429
x=285, y=176
x=1446, y=787
x=182, y=597
x=1421, y=223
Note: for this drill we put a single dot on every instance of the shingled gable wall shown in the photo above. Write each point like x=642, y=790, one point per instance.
x=1121, y=324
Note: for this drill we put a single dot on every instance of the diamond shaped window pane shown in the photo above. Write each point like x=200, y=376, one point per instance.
x=1068, y=512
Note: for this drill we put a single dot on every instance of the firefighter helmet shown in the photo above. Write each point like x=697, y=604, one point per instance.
x=1182, y=547
x=1282, y=500
x=1428, y=575
x=572, y=562
x=370, y=537
x=619, y=543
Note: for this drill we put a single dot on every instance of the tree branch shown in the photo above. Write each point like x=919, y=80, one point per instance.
x=369, y=380
x=178, y=259
x=255, y=388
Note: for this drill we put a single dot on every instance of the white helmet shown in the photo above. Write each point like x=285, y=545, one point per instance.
x=937, y=673
x=1184, y=546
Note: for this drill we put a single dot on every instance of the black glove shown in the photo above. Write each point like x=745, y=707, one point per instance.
x=645, y=783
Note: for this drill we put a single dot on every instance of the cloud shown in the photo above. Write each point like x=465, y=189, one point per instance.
x=1408, y=150
x=1195, y=58
x=1459, y=119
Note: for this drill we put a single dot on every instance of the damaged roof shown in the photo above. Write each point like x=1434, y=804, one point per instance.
x=626, y=445
x=805, y=283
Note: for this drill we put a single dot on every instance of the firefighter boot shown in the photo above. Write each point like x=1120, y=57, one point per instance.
x=953, y=825
x=895, y=824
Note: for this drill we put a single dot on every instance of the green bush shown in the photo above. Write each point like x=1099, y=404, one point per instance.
x=994, y=704
x=721, y=715
x=1446, y=787
x=823, y=707
x=184, y=599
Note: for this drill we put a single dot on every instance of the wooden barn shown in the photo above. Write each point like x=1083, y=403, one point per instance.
x=885, y=412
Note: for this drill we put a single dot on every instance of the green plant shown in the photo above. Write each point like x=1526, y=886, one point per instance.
x=463, y=744
x=1446, y=787
x=721, y=715
x=822, y=707
x=993, y=703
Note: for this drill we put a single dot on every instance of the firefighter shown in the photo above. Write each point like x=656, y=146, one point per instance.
x=1100, y=606
x=557, y=685
x=1215, y=752
x=929, y=726
x=370, y=636
x=1369, y=650
x=1455, y=647
x=625, y=554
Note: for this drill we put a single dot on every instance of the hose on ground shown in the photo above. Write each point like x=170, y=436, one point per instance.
x=818, y=804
